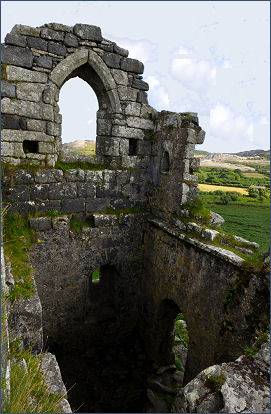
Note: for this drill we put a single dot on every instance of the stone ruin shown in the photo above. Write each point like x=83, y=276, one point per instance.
x=115, y=338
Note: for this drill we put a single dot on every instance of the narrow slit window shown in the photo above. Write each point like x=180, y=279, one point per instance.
x=165, y=162
x=132, y=146
x=30, y=147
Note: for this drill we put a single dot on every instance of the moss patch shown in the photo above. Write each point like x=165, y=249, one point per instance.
x=82, y=165
x=18, y=239
x=215, y=382
x=77, y=223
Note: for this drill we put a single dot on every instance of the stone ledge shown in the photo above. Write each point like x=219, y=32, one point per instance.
x=216, y=251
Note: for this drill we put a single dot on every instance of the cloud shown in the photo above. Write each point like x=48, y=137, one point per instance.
x=228, y=125
x=158, y=95
x=195, y=74
x=143, y=50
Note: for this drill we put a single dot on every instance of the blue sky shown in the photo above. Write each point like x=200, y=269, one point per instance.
x=210, y=57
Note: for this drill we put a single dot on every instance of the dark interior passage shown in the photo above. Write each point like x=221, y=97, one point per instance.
x=102, y=359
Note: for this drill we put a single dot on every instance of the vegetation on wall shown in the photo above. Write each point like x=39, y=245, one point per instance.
x=18, y=239
x=28, y=390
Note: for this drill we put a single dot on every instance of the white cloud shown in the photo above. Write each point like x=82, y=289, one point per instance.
x=228, y=125
x=193, y=73
x=158, y=95
x=143, y=50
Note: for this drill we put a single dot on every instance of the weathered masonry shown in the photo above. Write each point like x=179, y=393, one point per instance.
x=113, y=336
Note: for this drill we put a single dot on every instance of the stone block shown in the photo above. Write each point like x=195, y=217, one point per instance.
x=94, y=176
x=17, y=74
x=59, y=27
x=25, y=30
x=57, y=49
x=29, y=91
x=70, y=40
x=194, y=227
x=97, y=204
x=86, y=189
x=107, y=146
x=209, y=234
x=112, y=60
x=120, y=50
x=137, y=122
x=88, y=32
x=142, y=97
x=10, y=135
x=123, y=146
x=53, y=129
x=46, y=148
x=148, y=112
x=29, y=109
x=35, y=156
x=133, y=109
x=126, y=132
x=12, y=149
x=105, y=220
x=23, y=177
x=127, y=94
x=74, y=175
x=140, y=84
x=37, y=43
x=104, y=126
x=15, y=39
x=50, y=93
x=194, y=164
x=180, y=224
x=40, y=223
x=39, y=192
x=132, y=65
x=44, y=62
x=48, y=176
x=7, y=89
x=10, y=121
x=36, y=125
x=73, y=206
x=110, y=193
x=50, y=34
x=120, y=77
x=18, y=56
x=61, y=190
x=18, y=193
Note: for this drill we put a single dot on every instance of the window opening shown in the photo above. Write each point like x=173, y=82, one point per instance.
x=78, y=106
x=165, y=162
x=30, y=147
x=132, y=146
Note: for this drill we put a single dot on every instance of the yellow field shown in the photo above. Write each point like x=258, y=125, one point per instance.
x=253, y=174
x=209, y=187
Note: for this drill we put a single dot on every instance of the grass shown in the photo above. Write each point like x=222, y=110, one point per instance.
x=181, y=332
x=18, y=239
x=28, y=390
x=96, y=275
x=210, y=188
x=252, y=350
x=88, y=149
x=246, y=217
x=66, y=166
x=77, y=224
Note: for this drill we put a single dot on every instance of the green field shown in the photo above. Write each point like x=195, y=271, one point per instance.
x=245, y=217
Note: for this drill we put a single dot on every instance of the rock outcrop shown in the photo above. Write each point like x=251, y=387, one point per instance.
x=234, y=387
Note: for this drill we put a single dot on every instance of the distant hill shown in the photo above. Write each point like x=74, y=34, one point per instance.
x=254, y=153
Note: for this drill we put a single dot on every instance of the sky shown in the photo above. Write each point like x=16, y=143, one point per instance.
x=209, y=57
